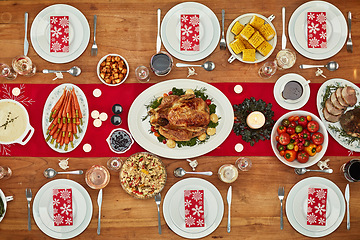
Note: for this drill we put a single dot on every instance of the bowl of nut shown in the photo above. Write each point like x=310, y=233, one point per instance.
x=113, y=69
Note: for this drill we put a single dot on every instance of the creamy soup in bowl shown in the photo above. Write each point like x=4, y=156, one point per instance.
x=14, y=123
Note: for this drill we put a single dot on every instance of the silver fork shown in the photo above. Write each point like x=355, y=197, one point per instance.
x=28, y=198
x=349, y=44
x=158, y=201
x=281, y=193
x=94, y=48
x=222, y=40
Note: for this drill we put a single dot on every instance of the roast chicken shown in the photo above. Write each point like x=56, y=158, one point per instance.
x=180, y=118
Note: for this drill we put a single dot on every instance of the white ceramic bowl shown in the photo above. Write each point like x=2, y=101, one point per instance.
x=108, y=140
x=2, y=196
x=312, y=160
x=103, y=59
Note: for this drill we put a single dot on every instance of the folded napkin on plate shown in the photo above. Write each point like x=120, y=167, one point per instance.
x=59, y=33
x=62, y=205
x=194, y=208
x=316, y=29
x=189, y=32
x=316, y=207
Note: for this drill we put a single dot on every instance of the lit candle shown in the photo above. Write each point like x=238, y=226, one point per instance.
x=255, y=120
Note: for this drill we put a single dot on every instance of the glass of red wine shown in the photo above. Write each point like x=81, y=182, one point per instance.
x=351, y=170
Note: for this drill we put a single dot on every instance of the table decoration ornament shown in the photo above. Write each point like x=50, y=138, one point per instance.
x=242, y=111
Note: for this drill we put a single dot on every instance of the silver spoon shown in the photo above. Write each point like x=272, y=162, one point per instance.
x=75, y=71
x=331, y=66
x=50, y=173
x=208, y=66
x=180, y=172
x=301, y=171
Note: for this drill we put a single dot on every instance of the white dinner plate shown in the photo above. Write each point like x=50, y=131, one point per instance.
x=140, y=129
x=336, y=30
x=79, y=33
x=46, y=210
x=174, y=210
x=245, y=19
x=332, y=208
x=278, y=91
x=209, y=31
x=342, y=140
x=82, y=207
x=295, y=207
x=52, y=99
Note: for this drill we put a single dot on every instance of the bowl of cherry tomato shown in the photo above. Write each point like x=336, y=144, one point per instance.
x=299, y=139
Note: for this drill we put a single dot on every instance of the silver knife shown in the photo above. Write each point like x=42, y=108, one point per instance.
x=99, y=202
x=347, y=198
x=26, y=43
x=229, y=196
x=283, y=37
x=158, y=38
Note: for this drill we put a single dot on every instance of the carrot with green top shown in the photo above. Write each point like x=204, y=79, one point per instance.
x=77, y=107
x=58, y=104
x=59, y=114
x=68, y=108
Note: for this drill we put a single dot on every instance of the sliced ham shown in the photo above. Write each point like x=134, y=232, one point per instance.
x=329, y=117
x=349, y=96
x=332, y=109
x=340, y=98
x=335, y=102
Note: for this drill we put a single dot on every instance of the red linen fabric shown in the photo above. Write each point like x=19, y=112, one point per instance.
x=189, y=32
x=194, y=208
x=33, y=97
x=316, y=29
x=59, y=33
x=316, y=207
x=62, y=205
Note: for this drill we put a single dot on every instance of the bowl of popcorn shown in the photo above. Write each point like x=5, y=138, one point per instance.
x=113, y=69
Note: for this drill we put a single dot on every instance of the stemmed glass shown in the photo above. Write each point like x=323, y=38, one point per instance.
x=7, y=72
x=5, y=172
x=285, y=59
x=243, y=163
x=24, y=66
x=97, y=177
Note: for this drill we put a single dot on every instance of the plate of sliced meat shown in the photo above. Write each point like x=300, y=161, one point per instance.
x=339, y=108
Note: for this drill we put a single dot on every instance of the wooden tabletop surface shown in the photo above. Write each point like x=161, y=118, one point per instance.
x=129, y=27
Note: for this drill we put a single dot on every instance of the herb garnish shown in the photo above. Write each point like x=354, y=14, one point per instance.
x=348, y=138
x=241, y=111
x=8, y=120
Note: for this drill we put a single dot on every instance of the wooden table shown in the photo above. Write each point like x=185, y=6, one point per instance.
x=129, y=28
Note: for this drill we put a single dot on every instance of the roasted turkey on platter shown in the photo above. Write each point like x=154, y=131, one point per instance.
x=181, y=118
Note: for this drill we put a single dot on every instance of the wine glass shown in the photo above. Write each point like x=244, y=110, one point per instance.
x=285, y=59
x=114, y=164
x=5, y=172
x=142, y=74
x=243, y=163
x=7, y=72
x=23, y=66
x=97, y=177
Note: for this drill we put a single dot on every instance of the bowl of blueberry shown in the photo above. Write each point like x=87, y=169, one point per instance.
x=120, y=140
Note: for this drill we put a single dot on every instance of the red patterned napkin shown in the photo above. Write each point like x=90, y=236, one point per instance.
x=316, y=208
x=189, y=32
x=59, y=33
x=62, y=205
x=194, y=208
x=316, y=29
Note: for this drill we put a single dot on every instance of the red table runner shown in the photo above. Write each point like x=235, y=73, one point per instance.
x=33, y=97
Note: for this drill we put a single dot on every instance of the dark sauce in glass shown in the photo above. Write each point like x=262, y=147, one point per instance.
x=161, y=63
x=293, y=90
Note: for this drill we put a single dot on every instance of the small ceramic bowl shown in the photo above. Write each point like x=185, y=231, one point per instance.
x=120, y=140
x=104, y=59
